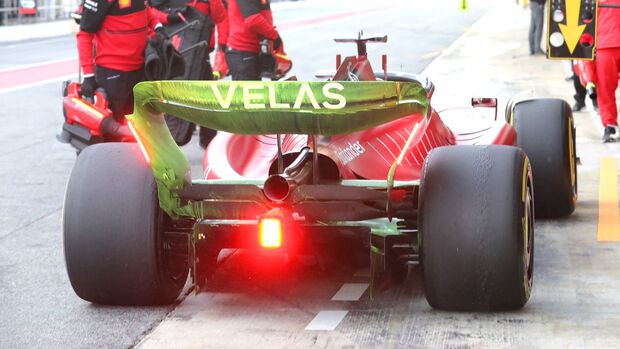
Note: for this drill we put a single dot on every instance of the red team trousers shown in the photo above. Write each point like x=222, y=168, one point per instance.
x=608, y=64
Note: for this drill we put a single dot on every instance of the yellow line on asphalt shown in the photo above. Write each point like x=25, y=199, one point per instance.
x=431, y=54
x=608, y=216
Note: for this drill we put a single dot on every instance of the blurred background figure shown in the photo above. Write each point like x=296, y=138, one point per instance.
x=536, y=25
x=607, y=65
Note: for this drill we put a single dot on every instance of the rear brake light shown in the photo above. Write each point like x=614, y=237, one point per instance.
x=270, y=233
x=135, y=134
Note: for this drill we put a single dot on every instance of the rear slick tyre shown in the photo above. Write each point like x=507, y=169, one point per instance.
x=115, y=248
x=477, y=226
x=546, y=132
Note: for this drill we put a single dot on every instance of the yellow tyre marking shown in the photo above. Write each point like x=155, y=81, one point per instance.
x=526, y=165
x=525, y=224
x=608, y=217
x=572, y=157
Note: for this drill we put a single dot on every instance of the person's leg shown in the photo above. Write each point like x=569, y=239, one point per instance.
x=243, y=65
x=205, y=136
x=539, y=27
x=607, y=76
x=607, y=62
x=132, y=78
x=118, y=86
x=532, y=30
x=580, y=94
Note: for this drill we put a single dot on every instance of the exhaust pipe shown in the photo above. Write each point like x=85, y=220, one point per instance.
x=278, y=187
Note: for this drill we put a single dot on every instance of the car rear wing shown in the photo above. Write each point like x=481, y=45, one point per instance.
x=287, y=107
x=254, y=108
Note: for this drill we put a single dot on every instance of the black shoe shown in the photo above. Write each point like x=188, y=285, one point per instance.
x=578, y=106
x=205, y=136
x=609, y=130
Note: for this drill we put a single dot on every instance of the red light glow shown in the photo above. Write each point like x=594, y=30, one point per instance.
x=270, y=233
x=135, y=134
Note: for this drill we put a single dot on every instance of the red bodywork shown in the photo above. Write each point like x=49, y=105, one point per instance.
x=89, y=122
x=366, y=154
x=82, y=112
x=586, y=71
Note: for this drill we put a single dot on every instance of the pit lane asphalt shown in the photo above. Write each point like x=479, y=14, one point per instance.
x=38, y=308
x=577, y=283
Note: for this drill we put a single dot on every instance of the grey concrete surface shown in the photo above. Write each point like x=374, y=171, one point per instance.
x=36, y=51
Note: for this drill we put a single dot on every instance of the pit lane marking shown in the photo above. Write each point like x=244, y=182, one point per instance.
x=38, y=83
x=350, y=292
x=608, y=217
x=306, y=22
x=427, y=55
x=431, y=54
x=326, y=320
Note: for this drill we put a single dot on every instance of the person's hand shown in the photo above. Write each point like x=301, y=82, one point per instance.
x=89, y=85
x=173, y=17
x=277, y=42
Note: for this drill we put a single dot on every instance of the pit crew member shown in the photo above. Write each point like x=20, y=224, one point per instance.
x=117, y=30
x=249, y=22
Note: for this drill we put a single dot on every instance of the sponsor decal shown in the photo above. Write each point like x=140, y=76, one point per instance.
x=90, y=5
x=124, y=3
x=261, y=96
x=351, y=152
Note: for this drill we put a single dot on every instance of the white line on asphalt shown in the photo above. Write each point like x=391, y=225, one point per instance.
x=326, y=320
x=38, y=83
x=25, y=66
x=320, y=23
x=350, y=292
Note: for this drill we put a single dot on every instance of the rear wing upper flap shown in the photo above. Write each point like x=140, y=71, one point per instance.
x=255, y=107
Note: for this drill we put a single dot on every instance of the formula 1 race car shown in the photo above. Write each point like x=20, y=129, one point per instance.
x=363, y=154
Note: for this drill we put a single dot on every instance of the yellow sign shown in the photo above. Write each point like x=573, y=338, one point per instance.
x=572, y=30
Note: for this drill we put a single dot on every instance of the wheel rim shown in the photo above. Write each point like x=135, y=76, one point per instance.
x=172, y=250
